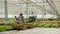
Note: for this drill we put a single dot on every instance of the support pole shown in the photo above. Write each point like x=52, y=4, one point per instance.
x=27, y=9
x=43, y=9
x=6, y=12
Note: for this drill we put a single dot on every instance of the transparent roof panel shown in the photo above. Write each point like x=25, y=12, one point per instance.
x=33, y=5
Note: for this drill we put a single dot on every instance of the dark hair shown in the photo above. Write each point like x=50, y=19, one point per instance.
x=21, y=14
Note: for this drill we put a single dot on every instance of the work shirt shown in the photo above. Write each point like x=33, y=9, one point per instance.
x=20, y=19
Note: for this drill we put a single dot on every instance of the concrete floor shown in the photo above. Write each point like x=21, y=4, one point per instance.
x=35, y=31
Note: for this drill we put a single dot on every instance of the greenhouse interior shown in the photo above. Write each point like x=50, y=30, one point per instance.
x=42, y=10
x=29, y=16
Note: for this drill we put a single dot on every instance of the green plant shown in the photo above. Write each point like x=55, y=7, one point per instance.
x=2, y=28
x=32, y=18
x=47, y=25
x=55, y=25
x=40, y=25
x=12, y=21
x=8, y=28
x=5, y=28
x=35, y=24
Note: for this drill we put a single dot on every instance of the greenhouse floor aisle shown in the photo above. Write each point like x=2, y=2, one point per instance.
x=35, y=31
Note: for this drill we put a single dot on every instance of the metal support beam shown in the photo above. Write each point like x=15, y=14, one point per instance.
x=43, y=9
x=51, y=6
x=55, y=9
x=6, y=11
x=27, y=8
x=39, y=6
x=51, y=3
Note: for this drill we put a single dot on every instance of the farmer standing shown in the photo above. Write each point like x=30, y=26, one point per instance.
x=20, y=19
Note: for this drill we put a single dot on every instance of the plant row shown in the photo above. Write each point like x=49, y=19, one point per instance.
x=24, y=26
x=5, y=28
x=46, y=25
